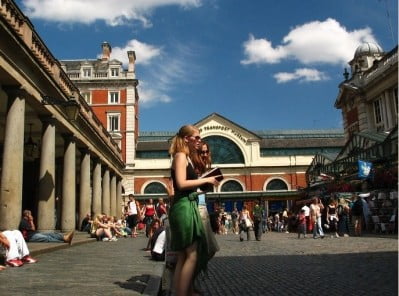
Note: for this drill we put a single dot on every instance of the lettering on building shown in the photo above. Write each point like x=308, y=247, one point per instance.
x=224, y=129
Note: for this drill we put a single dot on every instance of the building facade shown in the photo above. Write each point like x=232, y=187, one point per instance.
x=111, y=92
x=368, y=99
x=262, y=165
x=58, y=164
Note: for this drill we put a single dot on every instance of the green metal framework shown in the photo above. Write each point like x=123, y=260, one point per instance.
x=377, y=148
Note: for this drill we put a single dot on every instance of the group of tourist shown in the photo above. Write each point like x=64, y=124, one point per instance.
x=334, y=217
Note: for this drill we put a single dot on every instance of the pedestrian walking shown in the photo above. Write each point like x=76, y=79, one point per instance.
x=315, y=213
x=245, y=223
x=301, y=224
x=257, y=214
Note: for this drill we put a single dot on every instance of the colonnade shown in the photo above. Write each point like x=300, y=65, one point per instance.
x=100, y=188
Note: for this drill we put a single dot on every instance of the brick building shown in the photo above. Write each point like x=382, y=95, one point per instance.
x=257, y=165
x=111, y=92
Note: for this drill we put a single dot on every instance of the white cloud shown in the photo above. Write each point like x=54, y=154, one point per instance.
x=166, y=74
x=114, y=12
x=315, y=42
x=145, y=53
x=302, y=75
x=150, y=96
x=159, y=73
x=261, y=51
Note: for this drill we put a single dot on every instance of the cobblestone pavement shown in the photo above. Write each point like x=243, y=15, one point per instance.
x=95, y=268
x=282, y=264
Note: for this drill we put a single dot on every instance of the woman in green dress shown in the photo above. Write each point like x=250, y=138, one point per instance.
x=187, y=231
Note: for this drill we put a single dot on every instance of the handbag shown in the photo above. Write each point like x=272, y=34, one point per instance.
x=248, y=223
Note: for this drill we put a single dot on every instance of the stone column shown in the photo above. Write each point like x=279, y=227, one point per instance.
x=46, y=205
x=119, y=207
x=97, y=191
x=85, y=194
x=68, y=216
x=13, y=157
x=113, y=197
x=105, y=194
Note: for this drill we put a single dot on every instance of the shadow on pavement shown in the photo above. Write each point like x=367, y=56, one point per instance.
x=135, y=283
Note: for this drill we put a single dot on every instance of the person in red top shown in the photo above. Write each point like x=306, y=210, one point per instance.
x=149, y=214
x=161, y=210
x=302, y=224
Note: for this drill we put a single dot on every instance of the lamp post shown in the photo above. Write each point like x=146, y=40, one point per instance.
x=72, y=107
x=30, y=145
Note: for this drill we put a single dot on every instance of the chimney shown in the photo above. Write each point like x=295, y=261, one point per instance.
x=106, y=51
x=132, y=59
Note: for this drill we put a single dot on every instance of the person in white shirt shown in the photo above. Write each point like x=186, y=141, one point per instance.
x=17, y=252
x=307, y=216
x=315, y=212
x=158, y=242
x=132, y=218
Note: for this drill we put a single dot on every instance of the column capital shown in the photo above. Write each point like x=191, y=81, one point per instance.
x=85, y=150
x=49, y=119
x=69, y=137
x=15, y=91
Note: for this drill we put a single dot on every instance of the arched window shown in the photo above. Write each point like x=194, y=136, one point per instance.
x=230, y=186
x=276, y=184
x=154, y=187
x=224, y=150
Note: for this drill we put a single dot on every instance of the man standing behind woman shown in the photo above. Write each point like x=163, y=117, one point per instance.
x=187, y=231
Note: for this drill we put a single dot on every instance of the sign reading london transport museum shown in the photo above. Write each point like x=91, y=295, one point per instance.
x=225, y=129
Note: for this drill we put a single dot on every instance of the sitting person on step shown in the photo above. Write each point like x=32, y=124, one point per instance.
x=101, y=230
x=158, y=241
x=17, y=253
x=28, y=229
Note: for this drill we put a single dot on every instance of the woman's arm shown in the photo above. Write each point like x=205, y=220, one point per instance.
x=31, y=223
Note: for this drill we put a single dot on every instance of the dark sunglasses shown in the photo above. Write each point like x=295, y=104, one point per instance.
x=204, y=152
x=196, y=138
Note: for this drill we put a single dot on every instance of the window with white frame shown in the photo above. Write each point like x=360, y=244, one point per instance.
x=114, y=72
x=113, y=122
x=86, y=96
x=378, y=114
x=86, y=72
x=113, y=97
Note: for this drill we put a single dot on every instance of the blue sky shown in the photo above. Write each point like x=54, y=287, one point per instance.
x=264, y=64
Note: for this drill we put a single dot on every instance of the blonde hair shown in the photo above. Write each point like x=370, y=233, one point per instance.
x=178, y=144
x=97, y=219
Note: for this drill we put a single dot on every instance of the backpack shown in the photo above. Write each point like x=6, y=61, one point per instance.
x=357, y=209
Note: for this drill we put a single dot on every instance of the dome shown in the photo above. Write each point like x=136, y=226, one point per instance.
x=369, y=49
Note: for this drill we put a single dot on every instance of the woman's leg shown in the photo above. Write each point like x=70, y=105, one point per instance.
x=12, y=252
x=108, y=233
x=181, y=257
x=22, y=246
x=184, y=282
x=99, y=233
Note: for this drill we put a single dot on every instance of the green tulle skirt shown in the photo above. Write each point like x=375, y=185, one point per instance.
x=186, y=228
